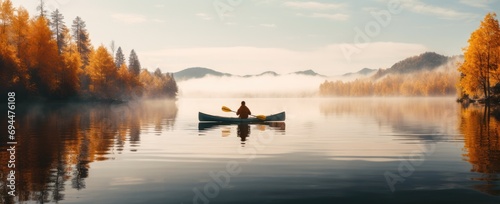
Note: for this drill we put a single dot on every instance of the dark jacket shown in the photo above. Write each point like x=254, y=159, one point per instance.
x=243, y=112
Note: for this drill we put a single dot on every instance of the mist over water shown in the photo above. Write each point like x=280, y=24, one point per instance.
x=290, y=85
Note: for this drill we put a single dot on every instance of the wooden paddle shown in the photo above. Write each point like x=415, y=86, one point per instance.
x=260, y=117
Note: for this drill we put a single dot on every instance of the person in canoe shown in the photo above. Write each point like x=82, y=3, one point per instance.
x=243, y=112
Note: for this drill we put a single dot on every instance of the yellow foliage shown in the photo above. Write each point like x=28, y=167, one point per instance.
x=482, y=58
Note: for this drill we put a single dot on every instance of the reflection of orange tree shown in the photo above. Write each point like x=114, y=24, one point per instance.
x=57, y=144
x=482, y=143
x=398, y=112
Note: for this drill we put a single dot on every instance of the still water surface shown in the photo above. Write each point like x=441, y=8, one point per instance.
x=395, y=150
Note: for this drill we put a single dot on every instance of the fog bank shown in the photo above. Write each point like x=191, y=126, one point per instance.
x=291, y=85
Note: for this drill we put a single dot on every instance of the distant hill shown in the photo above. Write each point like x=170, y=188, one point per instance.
x=425, y=61
x=269, y=73
x=364, y=72
x=308, y=72
x=200, y=72
x=197, y=72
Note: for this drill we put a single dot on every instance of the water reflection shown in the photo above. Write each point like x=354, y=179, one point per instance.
x=481, y=129
x=57, y=143
x=243, y=130
x=423, y=119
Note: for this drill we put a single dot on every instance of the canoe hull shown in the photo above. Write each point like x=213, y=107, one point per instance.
x=212, y=118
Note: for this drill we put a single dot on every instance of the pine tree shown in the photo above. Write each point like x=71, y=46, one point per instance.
x=134, y=64
x=119, y=58
x=81, y=37
x=70, y=83
x=57, y=27
x=158, y=72
x=41, y=8
x=112, y=46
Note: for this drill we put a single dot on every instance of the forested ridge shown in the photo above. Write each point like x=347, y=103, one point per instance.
x=428, y=74
x=42, y=58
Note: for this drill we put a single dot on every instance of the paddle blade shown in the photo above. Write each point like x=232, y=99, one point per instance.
x=261, y=117
x=226, y=109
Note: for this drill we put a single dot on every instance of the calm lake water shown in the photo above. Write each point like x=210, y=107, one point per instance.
x=358, y=150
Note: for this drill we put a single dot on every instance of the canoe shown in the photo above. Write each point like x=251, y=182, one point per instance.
x=213, y=118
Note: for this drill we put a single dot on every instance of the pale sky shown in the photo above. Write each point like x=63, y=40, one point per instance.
x=252, y=36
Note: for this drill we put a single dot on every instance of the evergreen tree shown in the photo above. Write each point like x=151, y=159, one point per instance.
x=112, y=46
x=81, y=37
x=134, y=64
x=158, y=72
x=41, y=8
x=57, y=27
x=119, y=58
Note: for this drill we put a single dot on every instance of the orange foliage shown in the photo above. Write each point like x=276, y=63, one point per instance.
x=43, y=57
x=481, y=130
x=127, y=82
x=420, y=84
x=158, y=84
x=36, y=66
x=103, y=73
x=72, y=137
x=480, y=70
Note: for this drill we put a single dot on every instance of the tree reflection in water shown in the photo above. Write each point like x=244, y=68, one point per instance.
x=481, y=129
x=57, y=142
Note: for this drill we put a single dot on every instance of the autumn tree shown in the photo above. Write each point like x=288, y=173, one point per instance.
x=158, y=85
x=49, y=60
x=44, y=67
x=128, y=83
x=119, y=58
x=482, y=58
x=57, y=26
x=6, y=16
x=82, y=39
x=8, y=59
x=103, y=74
x=8, y=72
x=134, y=64
x=20, y=31
x=19, y=36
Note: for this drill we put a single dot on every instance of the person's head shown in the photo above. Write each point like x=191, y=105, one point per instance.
x=243, y=103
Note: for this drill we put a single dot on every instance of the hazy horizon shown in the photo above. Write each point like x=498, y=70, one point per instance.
x=331, y=38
